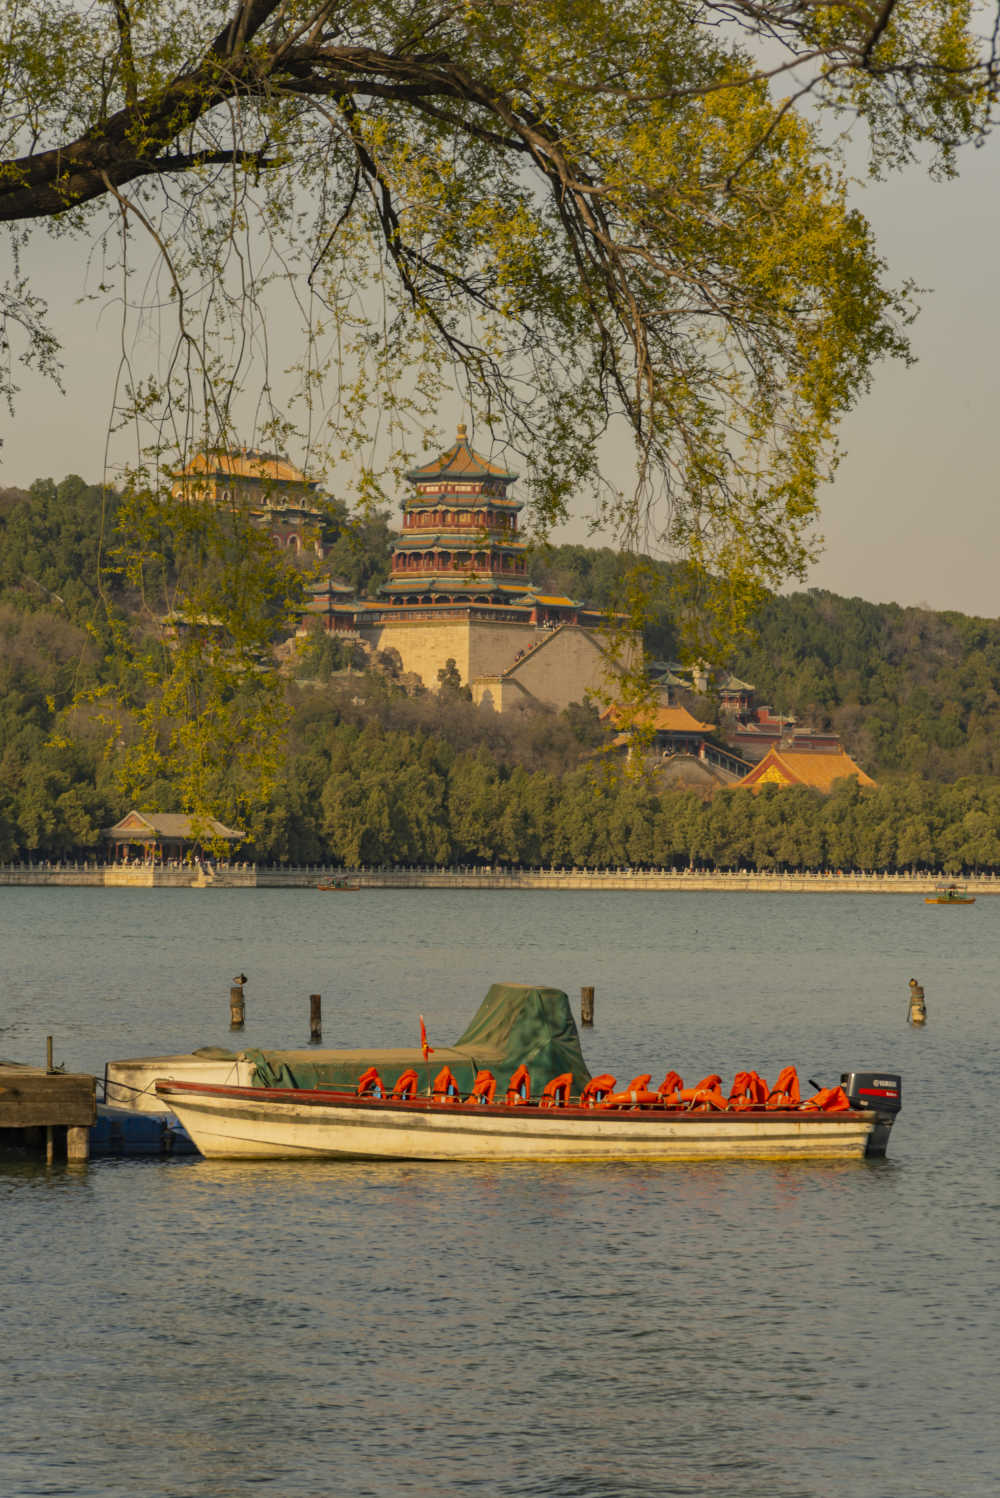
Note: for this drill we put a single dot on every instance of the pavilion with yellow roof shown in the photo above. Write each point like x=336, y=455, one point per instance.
x=458, y=590
x=817, y=768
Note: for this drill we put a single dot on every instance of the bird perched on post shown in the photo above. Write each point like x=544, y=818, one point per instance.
x=917, y=1005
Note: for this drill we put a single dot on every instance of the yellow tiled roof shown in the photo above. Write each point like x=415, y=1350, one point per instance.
x=662, y=720
x=245, y=464
x=819, y=770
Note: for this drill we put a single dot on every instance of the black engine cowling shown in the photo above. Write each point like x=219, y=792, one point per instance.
x=881, y=1092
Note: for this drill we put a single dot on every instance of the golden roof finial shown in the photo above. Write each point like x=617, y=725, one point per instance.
x=461, y=430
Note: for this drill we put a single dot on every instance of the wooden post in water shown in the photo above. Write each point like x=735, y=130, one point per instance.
x=77, y=1145
x=586, y=1006
x=49, y=1068
x=917, y=1006
x=315, y=1018
x=237, y=1007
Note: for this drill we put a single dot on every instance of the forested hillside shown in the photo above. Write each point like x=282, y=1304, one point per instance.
x=376, y=775
x=908, y=690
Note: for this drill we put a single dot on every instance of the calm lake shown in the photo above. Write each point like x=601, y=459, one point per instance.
x=194, y=1329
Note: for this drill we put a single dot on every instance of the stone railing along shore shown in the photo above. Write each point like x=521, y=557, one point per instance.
x=259, y=876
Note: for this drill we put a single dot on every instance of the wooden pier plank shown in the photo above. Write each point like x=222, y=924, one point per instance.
x=31, y=1097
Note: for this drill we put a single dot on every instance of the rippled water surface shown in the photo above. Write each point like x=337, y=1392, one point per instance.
x=188, y=1329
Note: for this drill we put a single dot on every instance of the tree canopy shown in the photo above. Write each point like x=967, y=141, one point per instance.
x=584, y=216
x=582, y=212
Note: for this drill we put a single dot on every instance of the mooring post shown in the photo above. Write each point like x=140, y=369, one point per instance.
x=77, y=1145
x=49, y=1068
x=586, y=1006
x=315, y=1018
x=237, y=1007
x=916, y=1004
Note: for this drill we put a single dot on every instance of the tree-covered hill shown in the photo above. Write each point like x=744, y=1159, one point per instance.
x=908, y=689
x=377, y=773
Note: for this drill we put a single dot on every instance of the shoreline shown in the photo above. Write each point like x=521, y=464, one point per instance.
x=251, y=877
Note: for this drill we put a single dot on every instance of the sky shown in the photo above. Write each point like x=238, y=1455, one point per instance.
x=912, y=514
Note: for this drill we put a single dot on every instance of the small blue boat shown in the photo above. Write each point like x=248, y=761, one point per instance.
x=125, y=1131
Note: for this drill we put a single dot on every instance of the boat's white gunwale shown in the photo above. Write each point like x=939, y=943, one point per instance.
x=252, y=1123
x=345, y=1102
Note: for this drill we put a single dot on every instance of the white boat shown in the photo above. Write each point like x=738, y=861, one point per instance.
x=253, y=1123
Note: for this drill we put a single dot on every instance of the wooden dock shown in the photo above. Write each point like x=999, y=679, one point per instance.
x=51, y=1111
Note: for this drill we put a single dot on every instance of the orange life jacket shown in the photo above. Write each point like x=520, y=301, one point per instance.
x=672, y=1082
x=484, y=1087
x=444, y=1088
x=829, y=1100
x=519, y=1087
x=370, y=1084
x=785, y=1092
x=597, y=1089
x=406, y=1085
x=555, y=1094
x=748, y=1091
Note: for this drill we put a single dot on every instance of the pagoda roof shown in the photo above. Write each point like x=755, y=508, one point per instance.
x=421, y=501
x=664, y=677
x=415, y=540
x=659, y=719
x=331, y=585
x=245, y=463
x=820, y=770
x=444, y=582
x=460, y=461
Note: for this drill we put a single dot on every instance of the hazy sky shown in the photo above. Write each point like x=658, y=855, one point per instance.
x=912, y=514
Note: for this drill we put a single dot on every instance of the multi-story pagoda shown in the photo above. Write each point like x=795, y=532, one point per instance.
x=459, y=541
x=459, y=595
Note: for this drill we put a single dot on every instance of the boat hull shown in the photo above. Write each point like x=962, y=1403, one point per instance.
x=258, y=1124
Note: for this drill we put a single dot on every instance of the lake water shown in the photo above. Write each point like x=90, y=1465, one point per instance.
x=194, y=1329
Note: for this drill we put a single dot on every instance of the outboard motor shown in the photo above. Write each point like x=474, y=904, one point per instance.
x=880, y=1093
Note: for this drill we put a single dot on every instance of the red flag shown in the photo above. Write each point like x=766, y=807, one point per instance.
x=427, y=1049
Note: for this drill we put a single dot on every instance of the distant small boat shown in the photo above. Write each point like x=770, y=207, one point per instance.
x=950, y=894
x=339, y=884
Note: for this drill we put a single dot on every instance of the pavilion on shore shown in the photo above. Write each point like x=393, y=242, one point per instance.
x=159, y=837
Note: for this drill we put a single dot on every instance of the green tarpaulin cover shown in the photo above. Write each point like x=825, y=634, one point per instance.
x=514, y=1024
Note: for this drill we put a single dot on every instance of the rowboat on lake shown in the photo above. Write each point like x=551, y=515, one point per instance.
x=950, y=894
x=339, y=884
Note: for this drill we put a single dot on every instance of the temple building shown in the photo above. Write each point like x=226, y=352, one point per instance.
x=459, y=591
x=279, y=497
x=819, y=768
x=676, y=745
